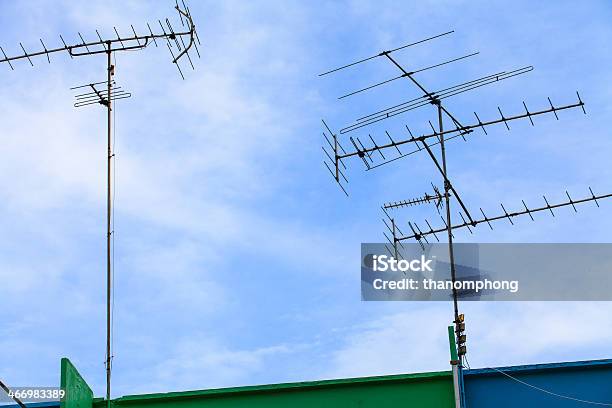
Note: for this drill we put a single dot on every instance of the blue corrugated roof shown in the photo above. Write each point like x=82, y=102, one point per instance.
x=541, y=367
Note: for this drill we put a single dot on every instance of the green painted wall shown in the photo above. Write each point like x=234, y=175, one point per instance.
x=78, y=393
x=412, y=390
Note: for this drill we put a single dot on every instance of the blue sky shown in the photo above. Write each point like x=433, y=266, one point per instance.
x=237, y=258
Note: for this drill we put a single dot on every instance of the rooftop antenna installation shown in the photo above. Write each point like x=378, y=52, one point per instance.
x=105, y=93
x=388, y=148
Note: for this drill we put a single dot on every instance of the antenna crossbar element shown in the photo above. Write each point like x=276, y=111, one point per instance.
x=125, y=43
x=406, y=74
x=425, y=100
x=394, y=230
x=509, y=216
x=99, y=96
x=457, y=131
x=429, y=95
x=427, y=198
x=334, y=158
x=383, y=53
x=440, y=92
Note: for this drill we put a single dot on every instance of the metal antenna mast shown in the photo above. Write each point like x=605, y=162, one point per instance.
x=390, y=150
x=183, y=41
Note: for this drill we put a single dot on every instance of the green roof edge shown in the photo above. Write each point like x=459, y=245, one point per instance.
x=293, y=386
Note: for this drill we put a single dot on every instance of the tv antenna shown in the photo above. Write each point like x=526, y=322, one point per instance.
x=105, y=93
x=388, y=148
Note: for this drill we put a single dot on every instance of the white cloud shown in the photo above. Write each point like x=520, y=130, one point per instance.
x=198, y=363
x=498, y=334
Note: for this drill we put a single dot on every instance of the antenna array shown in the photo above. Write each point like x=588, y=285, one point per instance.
x=98, y=96
x=374, y=152
x=525, y=210
x=436, y=197
x=179, y=43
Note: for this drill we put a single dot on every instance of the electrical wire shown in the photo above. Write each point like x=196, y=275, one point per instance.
x=467, y=363
x=605, y=404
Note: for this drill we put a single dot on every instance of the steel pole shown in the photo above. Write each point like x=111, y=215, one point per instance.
x=108, y=226
x=447, y=188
